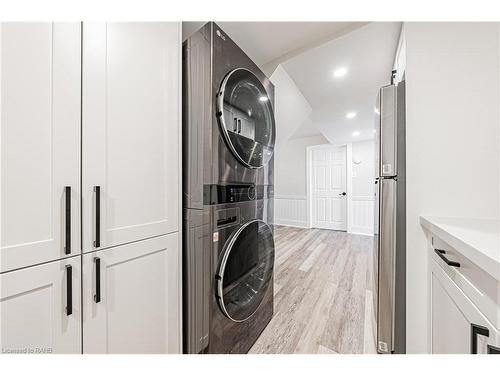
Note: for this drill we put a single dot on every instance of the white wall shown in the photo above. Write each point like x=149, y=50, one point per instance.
x=452, y=120
x=290, y=173
x=290, y=180
x=291, y=108
x=190, y=27
x=361, y=202
x=400, y=58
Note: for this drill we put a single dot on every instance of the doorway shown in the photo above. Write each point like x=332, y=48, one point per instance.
x=328, y=184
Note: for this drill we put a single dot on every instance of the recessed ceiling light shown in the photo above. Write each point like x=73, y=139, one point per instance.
x=340, y=72
x=350, y=115
x=355, y=134
x=263, y=98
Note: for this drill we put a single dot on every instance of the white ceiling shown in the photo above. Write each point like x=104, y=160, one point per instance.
x=266, y=42
x=368, y=54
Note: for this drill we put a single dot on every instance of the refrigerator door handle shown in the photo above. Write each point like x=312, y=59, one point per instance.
x=387, y=266
x=388, y=131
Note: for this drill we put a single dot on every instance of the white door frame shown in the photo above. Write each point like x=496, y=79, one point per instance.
x=309, y=160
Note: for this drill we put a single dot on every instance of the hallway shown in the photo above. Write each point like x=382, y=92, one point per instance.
x=323, y=294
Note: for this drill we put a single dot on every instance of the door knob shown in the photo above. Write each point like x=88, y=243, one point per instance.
x=343, y=193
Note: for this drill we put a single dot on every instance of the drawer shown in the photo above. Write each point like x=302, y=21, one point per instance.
x=456, y=322
x=482, y=289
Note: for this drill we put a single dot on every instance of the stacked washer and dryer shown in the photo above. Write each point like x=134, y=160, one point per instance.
x=228, y=248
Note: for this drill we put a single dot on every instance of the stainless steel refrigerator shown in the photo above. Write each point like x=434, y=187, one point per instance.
x=389, y=262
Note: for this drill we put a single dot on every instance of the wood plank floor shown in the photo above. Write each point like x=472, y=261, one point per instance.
x=322, y=294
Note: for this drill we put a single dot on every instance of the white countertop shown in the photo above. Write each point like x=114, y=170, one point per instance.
x=476, y=239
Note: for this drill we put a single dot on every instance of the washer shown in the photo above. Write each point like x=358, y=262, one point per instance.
x=243, y=262
x=228, y=158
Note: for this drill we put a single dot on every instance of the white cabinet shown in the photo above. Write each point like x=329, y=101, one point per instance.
x=131, y=298
x=40, y=142
x=457, y=325
x=450, y=327
x=40, y=308
x=90, y=129
x=130, y=132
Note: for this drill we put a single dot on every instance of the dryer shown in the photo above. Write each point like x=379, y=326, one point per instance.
x=228, y=149
x=228, y=117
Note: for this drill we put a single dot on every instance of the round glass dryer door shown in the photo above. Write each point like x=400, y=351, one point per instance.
x=246, y=269
x=246, y=118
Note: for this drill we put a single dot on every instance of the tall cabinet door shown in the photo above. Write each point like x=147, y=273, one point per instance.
x=40, y=308
x=131, y=298
x=40, y=142
x=130, y=130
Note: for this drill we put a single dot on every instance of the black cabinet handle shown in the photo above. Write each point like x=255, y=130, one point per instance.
x=235, y=124
x=493, y=349
x=67, y=226
x=97, y=191
x=446, y=260
x=475, y=330
x=97, y=295
x=69, y=290
x=239, y=126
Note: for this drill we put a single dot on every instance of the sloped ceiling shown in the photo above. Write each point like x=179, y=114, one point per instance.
x=291, y=109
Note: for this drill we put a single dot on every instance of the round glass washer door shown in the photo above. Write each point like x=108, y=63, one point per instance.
x=246, y=118
x=245, y=271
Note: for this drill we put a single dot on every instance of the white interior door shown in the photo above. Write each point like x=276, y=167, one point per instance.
x=130, y=130
x=40, y=142
x=40, y=308
x=329, y=188
x=139, y=306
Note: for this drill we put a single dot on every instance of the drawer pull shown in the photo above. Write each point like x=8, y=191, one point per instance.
x=493, y=349
x=69, y=290
x=475, y=330
x=97, y=295
x=446, y=260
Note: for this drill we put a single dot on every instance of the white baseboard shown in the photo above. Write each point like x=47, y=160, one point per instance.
x=291, y=223
x=365, y=231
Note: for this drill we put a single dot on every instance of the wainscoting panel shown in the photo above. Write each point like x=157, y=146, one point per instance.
x=290, y=210
x=362, y=215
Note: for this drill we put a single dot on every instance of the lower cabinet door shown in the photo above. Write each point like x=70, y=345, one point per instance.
x=40, y=308
x=131, y=298
x=450, y=327
x=457, y=326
